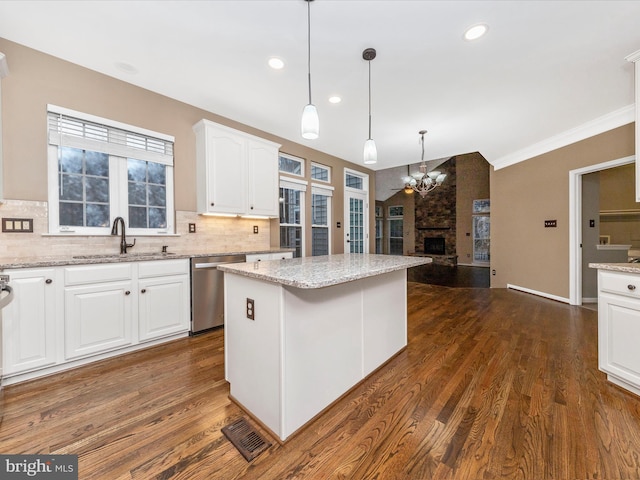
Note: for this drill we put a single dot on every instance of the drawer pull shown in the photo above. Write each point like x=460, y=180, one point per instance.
x=631, y=287
x=48, y=281
x=127, y=292
x=144, y=290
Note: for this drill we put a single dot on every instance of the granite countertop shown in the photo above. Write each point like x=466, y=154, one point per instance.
x=617, y=267
x=82, y=259
x=323, y=271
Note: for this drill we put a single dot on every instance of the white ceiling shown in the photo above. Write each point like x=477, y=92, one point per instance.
x=545, y=67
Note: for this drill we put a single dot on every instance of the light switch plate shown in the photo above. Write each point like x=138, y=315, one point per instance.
x=17, y=225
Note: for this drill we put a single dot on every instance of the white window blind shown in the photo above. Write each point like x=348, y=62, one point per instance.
x=69, y=131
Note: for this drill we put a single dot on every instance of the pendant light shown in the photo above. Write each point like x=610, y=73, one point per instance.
x=310, y=124
x=370, y=151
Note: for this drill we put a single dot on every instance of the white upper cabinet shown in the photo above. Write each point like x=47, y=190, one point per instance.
x=635, y=58
x=237, y=173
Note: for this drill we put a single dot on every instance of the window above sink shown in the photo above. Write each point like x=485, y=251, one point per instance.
x=100, y=169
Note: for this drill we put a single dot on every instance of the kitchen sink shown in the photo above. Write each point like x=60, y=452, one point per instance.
x=123, y=255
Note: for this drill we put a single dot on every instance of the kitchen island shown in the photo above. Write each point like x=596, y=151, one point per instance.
x=300, y=333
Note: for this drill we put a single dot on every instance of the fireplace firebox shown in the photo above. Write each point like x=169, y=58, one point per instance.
x=434, y=246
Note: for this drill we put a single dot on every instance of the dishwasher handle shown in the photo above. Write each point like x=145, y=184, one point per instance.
x=211, y=264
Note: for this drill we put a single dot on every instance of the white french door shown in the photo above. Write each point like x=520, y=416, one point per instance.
x=356, y=212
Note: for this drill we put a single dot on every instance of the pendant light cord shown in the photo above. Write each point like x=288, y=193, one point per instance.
x=369, y=99
x=309, y=45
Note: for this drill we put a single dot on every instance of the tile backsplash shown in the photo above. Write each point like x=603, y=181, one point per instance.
x=213, y=234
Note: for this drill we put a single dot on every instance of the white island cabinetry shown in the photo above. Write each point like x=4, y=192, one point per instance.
x=619, y=324
x=300, y=333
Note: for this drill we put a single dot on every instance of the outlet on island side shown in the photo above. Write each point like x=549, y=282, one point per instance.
x=255, y=229
x=250, y=309
x=192, y=228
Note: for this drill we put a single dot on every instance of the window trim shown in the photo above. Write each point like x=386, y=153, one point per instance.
x=292, y=157
x=301, y=186
x=325, y=167
x=322, y=191
x=118, y=180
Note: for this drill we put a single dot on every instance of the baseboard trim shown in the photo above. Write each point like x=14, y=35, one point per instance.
x=539, y=294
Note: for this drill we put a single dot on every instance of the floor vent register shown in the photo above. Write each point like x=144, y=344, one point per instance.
x=245, y=438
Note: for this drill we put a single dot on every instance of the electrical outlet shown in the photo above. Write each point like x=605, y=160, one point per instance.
x=192, y=228
x=255, y=229
x=493, y=272
x=251, y=311
x=550, y=223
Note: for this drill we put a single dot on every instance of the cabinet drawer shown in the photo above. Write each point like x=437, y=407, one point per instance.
x=619, y=283
x=84, y=274
x=160, y=268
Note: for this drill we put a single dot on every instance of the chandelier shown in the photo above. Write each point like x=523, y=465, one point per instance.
x=422, y=181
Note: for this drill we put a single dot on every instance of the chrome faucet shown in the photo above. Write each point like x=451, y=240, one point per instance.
x=123, y=237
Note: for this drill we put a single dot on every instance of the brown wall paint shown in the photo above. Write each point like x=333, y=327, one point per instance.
x=36, y=79
x=523, y=252
x=472, y=172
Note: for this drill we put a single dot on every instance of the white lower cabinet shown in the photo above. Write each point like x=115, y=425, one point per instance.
x=28, y=322
x=619, y=328
x=97, y=318
x=259, y=257
x=163, y=299
x=67, y=316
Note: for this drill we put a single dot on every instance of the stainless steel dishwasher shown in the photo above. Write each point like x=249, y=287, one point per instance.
x=207, y=291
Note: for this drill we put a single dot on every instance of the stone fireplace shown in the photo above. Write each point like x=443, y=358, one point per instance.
x=435, y=219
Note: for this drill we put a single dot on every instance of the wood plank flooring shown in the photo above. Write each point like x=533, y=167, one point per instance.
x=494, y=384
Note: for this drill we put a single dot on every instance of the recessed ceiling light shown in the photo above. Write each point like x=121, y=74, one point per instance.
x=475, y=31
x=276, y=63
x=126, y=68
x=335, y=99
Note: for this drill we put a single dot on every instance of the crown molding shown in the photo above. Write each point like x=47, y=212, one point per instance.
x=615, y=119
x=633, y=57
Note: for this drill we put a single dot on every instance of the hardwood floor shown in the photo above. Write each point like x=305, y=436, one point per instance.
x=493, y=384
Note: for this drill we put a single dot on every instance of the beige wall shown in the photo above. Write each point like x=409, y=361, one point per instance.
x=37, y=79
x=472, y=177
x=523, y=252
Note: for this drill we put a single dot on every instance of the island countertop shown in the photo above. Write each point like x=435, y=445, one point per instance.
x=617, y=267
x=325, y=270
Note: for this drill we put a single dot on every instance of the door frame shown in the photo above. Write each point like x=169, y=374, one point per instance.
x=359, y=194
x=575, y=223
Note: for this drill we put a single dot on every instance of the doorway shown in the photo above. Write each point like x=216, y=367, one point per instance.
x=575, y=222
x=356, y=212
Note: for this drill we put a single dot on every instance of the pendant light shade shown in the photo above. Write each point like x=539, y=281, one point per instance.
x=370, y=151
x=310, y=124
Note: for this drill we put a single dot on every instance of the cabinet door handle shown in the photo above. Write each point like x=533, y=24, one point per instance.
x=631, y=287
x=213, y=204
x=144, y=290
x=48, y=281
x=127, y=292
